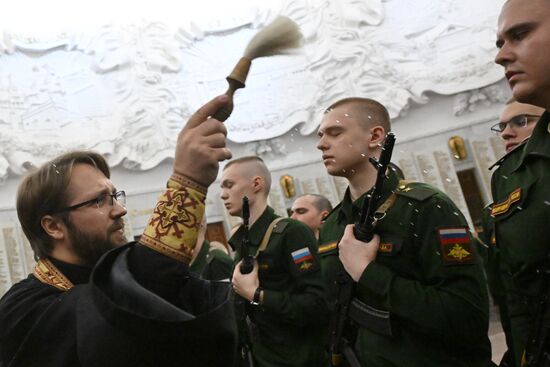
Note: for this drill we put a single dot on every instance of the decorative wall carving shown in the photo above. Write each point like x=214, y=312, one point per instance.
x=471, y=100
x=126, y=90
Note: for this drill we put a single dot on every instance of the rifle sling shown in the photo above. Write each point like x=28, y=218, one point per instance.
x=267, y=235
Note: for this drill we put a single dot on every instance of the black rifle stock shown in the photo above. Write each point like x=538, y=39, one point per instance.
x=363, y=231
x=247, y=265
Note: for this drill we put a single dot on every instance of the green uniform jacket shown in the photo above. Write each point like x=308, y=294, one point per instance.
x=435, y=292
x=491, y=261
x=212, y=263
x=521, y=214
x=293, y=307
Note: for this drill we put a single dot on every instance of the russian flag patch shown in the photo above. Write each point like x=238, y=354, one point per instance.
x=301, y=255
x=455, y=245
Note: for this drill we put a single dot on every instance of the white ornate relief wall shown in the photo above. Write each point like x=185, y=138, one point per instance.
x=126, y=90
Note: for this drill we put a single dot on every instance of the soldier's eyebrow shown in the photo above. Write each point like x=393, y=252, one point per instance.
x=332, y=130
x=225, y=183
x=513, y=31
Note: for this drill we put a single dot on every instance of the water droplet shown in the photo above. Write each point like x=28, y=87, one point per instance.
x=379, y=144
x=343, y=170
x=546, y=202
x=363, y=155
x=370, y=117
x=505, y=177
x=456, y=156
x=412, y=224
x=455, y=213
x=337, y=121
x=392, y=168
x=346, y=114
x=410, y=204
x=416, y=210
x=448, y=179
x=520, y=208
x=350, y=145
x=353, y=171
x=414, y=234
x=438, y=253
x=438, y=206
x=424, y=171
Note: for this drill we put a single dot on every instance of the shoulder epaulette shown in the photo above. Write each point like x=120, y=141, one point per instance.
x=280, y=227
x=413, y=190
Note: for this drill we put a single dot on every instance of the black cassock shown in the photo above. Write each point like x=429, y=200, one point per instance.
x=137, y=308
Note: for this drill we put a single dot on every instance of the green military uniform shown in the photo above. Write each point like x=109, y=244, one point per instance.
x=426, y=276
x=287, y=322
x=491, y=262
x=212, y=263
x=521, y=214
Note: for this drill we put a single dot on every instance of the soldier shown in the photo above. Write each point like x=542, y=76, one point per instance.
x=423, y=291
x=210, y=260
x=94, y=301
x=516, y=124
x=311, y=209
x=521, y=208
x=285, y=289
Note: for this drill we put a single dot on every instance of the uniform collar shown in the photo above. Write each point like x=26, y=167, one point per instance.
x=350, y=210
x=256, y=231
x=538, y=144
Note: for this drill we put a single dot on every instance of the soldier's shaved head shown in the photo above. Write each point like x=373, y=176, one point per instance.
x=252, y=166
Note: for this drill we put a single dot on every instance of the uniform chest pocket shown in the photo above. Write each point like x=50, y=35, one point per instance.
x=390, y=245
x=269, y=264
x=515, y=201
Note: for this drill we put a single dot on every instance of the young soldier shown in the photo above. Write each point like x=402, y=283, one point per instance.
x=137, y=305
x=311, y=209
x=516, y=124
x=286, y=287
x=521, y=209
x=424, y=291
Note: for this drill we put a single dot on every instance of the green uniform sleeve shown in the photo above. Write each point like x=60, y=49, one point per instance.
x=302, y=302
x=220, y=267
x=450, y=301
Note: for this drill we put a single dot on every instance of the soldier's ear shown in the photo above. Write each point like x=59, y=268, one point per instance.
x=257, y=183
x=378, y=134
x=324, y=215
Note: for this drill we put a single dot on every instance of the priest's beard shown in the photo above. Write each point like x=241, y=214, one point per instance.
x=89, y=247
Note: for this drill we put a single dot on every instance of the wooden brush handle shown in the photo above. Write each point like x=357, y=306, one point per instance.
x=235, y=80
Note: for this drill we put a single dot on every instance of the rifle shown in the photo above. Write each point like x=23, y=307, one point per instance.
x=246, y=267
x=537, y=351
x=364, y=231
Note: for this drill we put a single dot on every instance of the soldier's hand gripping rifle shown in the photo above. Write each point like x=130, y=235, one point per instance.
x=363, y=231
x=246, y=267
